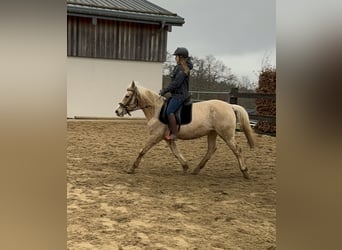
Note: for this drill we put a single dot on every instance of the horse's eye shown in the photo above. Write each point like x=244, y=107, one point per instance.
x=126, y=96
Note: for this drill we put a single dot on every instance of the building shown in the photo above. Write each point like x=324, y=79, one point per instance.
x=111, y=43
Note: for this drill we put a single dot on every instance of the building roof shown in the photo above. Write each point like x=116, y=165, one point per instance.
x=125, y=10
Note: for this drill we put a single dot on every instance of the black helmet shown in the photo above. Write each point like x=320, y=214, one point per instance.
x=180, y=51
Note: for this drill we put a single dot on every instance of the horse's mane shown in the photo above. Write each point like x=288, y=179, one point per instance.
x=149, y=95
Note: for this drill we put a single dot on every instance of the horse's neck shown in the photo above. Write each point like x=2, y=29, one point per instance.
x=150, y=102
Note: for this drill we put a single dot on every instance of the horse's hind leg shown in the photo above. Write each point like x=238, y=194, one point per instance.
x=178, y=155
x=211, y=149
x=238, y=153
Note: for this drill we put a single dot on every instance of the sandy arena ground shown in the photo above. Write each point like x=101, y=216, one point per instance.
x=158, y=207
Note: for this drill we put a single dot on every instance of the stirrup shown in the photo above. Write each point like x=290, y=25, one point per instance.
x=170, y=137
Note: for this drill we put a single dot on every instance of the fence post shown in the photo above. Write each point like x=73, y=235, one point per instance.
x=233, y=95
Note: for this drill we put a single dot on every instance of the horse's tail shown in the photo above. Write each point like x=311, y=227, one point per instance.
x=243, y=119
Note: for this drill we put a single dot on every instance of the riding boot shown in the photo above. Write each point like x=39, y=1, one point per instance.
x=173, y=127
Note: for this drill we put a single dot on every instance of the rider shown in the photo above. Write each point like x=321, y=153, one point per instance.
x=178, y=87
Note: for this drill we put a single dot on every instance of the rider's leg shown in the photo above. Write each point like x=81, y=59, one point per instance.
x=173, y=126
x=174, y=104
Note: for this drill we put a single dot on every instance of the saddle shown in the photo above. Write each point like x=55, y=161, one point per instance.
x=183, y=114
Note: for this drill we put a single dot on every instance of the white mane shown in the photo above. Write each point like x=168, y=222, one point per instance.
x=149, y=96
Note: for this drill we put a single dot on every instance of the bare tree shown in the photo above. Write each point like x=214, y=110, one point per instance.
x=246, y=84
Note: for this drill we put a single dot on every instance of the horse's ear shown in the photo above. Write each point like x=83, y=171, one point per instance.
x=133, y=85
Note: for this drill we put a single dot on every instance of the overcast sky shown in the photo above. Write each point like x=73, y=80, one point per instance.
x=240, y=33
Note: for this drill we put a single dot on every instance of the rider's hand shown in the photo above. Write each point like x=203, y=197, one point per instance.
x=162, y=92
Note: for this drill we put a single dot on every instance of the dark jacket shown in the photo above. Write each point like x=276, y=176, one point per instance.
x=179, y=85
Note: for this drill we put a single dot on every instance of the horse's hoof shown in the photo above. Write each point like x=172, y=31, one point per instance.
x=195, y=172
x=130, y=171
x=245, y=174
x=185, y=169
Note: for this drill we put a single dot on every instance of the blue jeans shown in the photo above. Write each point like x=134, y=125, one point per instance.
x=174, y=104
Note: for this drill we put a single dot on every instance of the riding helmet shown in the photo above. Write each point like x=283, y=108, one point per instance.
x=180, y=51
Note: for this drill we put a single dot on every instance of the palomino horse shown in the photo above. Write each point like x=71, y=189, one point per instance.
x=210, y=118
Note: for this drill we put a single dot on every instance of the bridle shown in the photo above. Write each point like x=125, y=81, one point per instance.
x=130, y=102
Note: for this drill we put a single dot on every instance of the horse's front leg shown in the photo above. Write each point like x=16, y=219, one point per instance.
x=156, y=133
x=178, y=155
x=150, y=143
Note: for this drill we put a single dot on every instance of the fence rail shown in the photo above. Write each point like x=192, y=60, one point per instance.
x=233, y=96
x=195, y=95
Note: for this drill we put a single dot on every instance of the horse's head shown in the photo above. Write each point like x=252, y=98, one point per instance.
x=129, y=102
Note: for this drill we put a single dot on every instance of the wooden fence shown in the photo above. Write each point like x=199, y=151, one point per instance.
x=233, y=96
x=197, y=96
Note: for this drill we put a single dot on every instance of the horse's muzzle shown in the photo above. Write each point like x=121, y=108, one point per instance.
x=119, y=113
